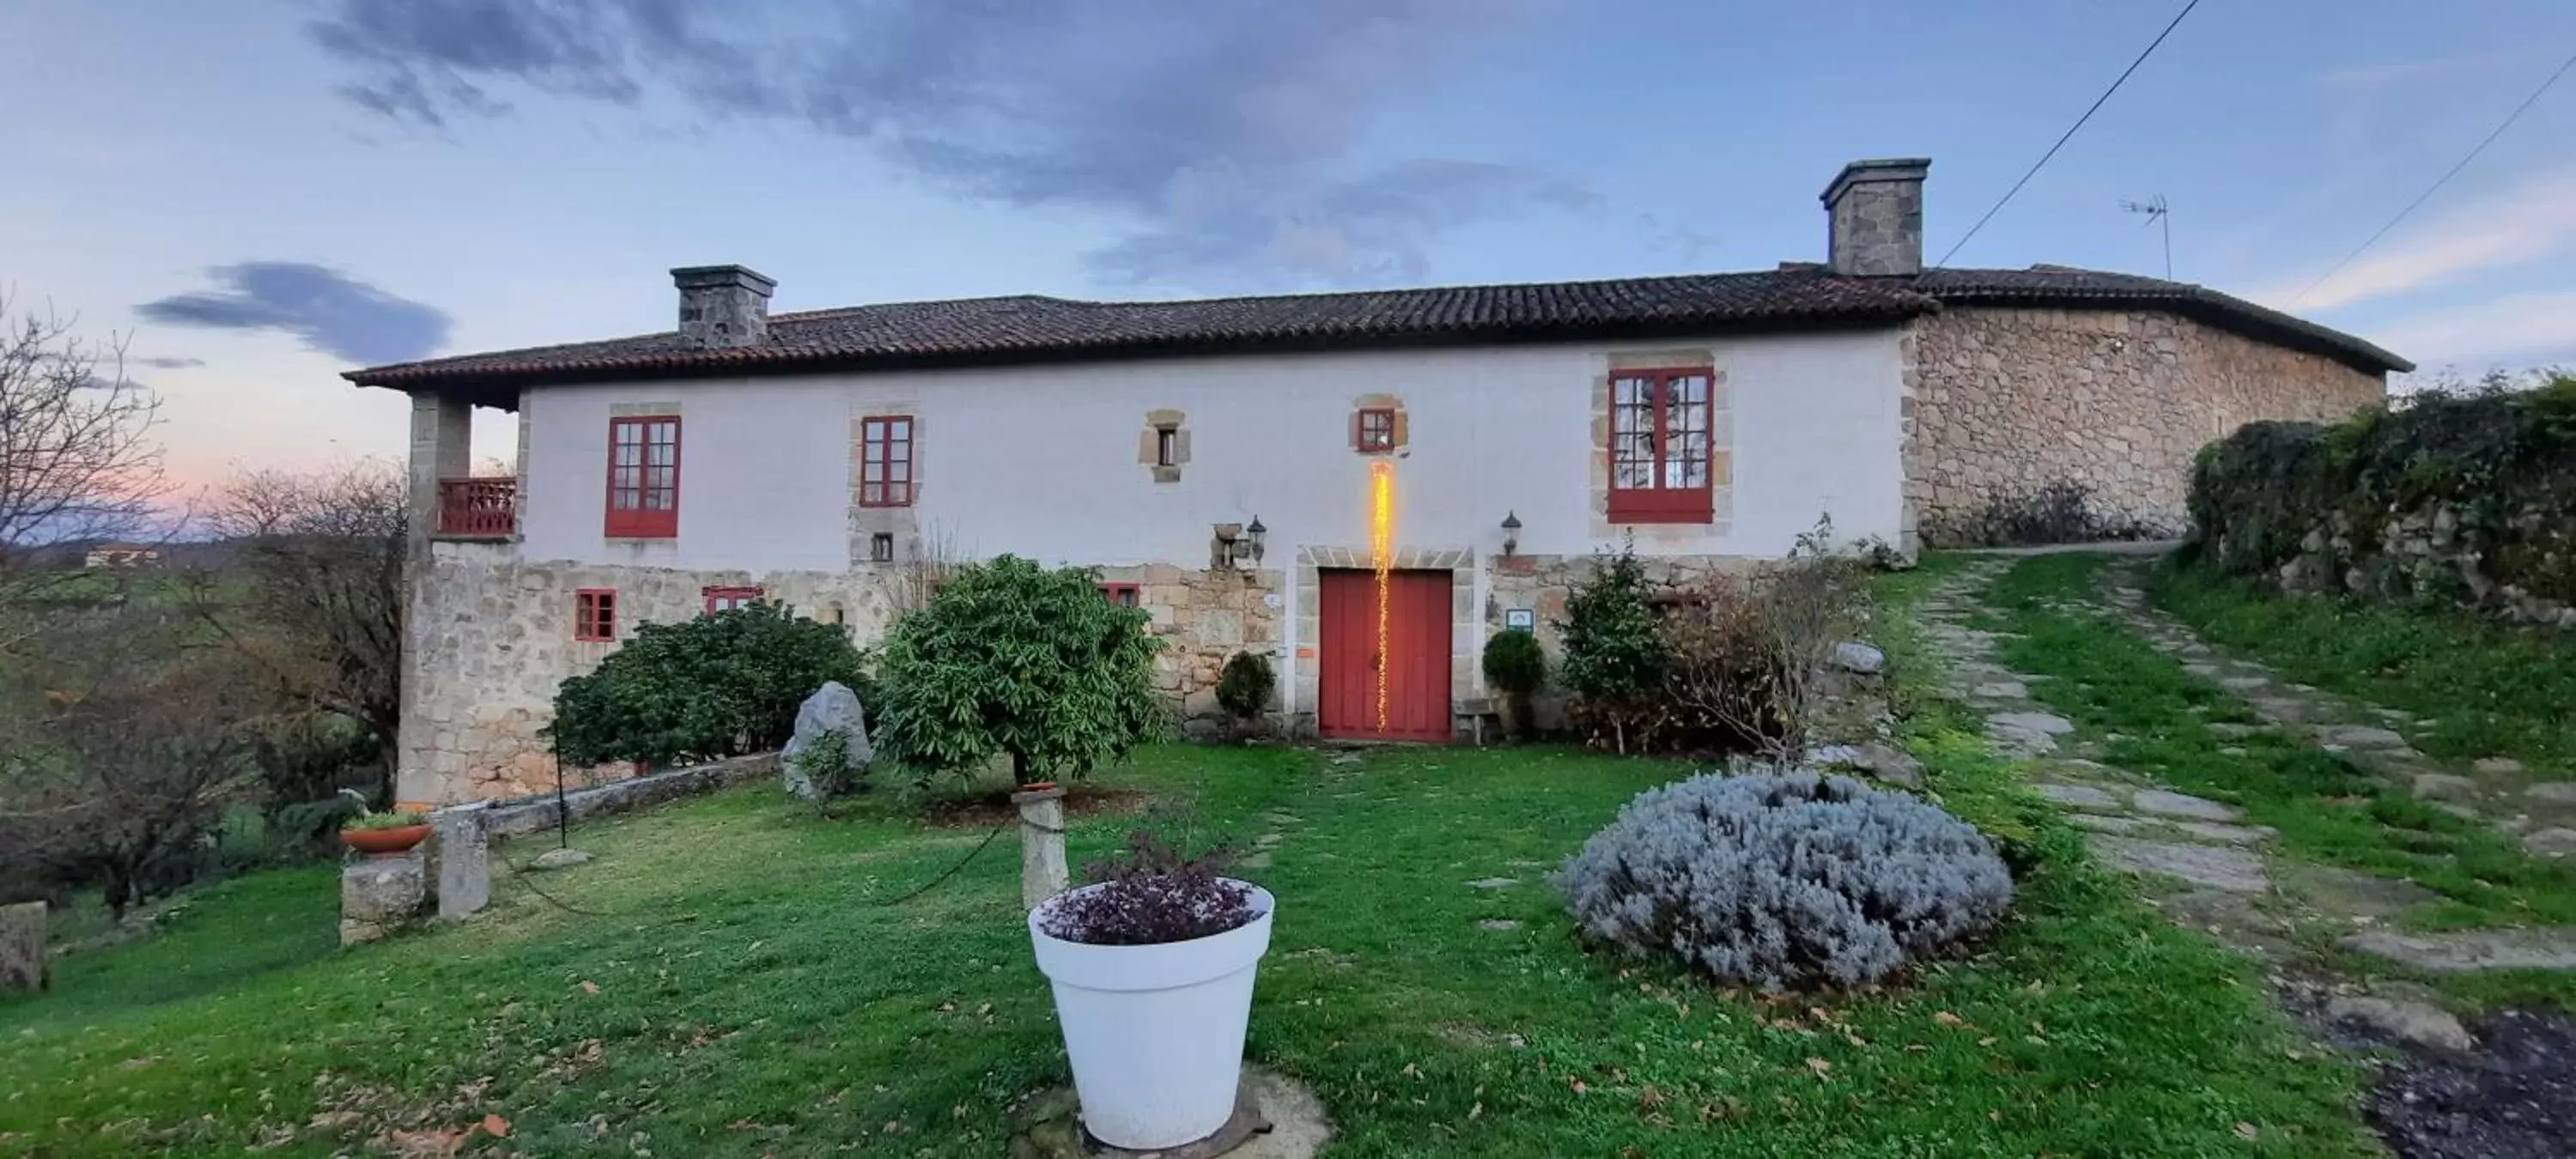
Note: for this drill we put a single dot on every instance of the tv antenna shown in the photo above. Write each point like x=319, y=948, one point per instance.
x=2157, y=213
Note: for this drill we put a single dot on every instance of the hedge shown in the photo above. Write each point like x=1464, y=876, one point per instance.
x=2467, y=496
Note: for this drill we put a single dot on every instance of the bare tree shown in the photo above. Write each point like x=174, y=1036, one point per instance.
x=120, y=773
x=76, y=458
x=314, y=595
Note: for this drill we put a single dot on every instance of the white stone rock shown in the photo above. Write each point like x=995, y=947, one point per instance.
x=2215, y=867
x=2361, y=736
x=2415, y=1022
x=2171, y=804
x=2496, y=766
x=1853, y=656
x=559, y=859
x=2553, y=792
x=2079, y=796
x=2551, y=843
x=831, y=706
x=2444, y=787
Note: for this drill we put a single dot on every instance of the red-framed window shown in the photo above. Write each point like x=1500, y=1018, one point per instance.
x=1377, y=429
x=1123, y=595
x=594, y=614
x=725, y=599
x=885, y=461
x=644, y=477
x=1660, y=445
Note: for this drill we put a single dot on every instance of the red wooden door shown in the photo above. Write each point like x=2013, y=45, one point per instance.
x=1414, y=665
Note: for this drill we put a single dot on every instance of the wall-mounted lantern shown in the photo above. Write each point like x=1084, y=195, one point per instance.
x=1511, y=533
x=1239, y=546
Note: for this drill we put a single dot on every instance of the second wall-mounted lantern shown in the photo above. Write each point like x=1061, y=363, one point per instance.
x=1239, y=546
x=1511, y=532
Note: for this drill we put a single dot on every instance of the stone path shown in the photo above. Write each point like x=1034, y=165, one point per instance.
x=2539, y=810
x=2224, y=876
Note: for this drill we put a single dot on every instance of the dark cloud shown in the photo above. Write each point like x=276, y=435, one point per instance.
x=1228, y=132
x=166, y=363
x=331, y=313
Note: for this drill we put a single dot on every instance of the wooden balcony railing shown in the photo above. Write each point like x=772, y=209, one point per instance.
x=478, y=508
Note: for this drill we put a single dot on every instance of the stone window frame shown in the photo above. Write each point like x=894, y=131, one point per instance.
x=1721, y=424
x=1399, y=427
x=594, y=615
x=880, y=547
x=1164, y=446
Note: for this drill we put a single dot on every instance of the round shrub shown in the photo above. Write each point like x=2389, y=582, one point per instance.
x=714, y=686
x=1515, y=663
x=1785, y=881
x=1243, y=687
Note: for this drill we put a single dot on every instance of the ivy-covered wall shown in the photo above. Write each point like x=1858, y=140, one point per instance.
x=2458, y=497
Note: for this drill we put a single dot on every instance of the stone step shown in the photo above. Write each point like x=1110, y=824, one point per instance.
x=2462, y=951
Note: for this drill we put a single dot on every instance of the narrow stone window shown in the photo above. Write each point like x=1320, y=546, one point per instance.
x=1167, y=447
x=881, y=547
x=1164, y=446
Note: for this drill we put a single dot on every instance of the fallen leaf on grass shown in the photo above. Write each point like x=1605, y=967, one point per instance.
x=1578, y=1086
x=496, y=1126
x=589, y=987
x=2247, y=1130
x=1822, y=1068
x=428, y=1144
x=1946, y=1018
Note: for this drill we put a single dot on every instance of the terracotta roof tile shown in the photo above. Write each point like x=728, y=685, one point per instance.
x=1034, y=328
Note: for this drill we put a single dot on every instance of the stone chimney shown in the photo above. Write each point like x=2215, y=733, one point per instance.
x=1876, y=208
x=723, y=306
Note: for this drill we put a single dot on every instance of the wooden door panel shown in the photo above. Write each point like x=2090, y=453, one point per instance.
x=1415, y=665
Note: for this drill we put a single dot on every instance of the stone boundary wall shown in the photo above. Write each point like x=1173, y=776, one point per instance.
x=489, y=637
x=2008, y=401
x=535, y=813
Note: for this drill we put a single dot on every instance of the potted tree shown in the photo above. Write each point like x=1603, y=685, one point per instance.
x=1152, y=968
x=377, y=834
x=1515, y=666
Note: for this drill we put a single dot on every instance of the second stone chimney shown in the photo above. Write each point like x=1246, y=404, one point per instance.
x=1876, y=214
x=723, y=306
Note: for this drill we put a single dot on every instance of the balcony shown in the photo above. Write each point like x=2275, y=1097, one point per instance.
x=478, y=508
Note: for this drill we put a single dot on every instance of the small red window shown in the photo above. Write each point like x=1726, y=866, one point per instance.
x=1377, y=429
x=644, y=477
x=1123, y=595
x=885, y=461
x=594, y=614
x=1660, y=446
x=727, y=599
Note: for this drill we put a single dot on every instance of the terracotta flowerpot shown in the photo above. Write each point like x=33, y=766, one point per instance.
x=378, y=842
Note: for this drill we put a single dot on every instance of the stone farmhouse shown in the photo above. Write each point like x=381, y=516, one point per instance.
x=1244, y=467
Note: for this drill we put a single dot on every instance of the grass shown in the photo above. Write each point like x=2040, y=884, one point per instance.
x=732, y=983
x=2153, y=717
x=2483, y=687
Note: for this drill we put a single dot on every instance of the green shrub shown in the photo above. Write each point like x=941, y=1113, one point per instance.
x=715, y=686
x=1516, y=666
x=825, y=764
x=1614, y=655
x=1243, y=688
x=1011, y=658
x=2390, y=503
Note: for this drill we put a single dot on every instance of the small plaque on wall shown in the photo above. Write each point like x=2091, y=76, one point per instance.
x=1520, y=619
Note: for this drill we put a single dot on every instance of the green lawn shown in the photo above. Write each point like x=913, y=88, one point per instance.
x=733, y=983
x=2486, y=688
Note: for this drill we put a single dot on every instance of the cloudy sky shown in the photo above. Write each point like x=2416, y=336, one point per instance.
x=264, y=194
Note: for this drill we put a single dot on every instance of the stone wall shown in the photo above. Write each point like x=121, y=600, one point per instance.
x=2009, y=401
x=489, y=637
x=1543, y=582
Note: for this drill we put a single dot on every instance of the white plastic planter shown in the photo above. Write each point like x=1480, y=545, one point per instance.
x=1155, y=1033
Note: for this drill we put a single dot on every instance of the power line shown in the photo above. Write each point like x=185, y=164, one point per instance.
x=2070, y=131
x=2421, y=198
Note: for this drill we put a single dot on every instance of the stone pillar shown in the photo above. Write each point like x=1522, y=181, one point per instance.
x=461, y=852
x=22, y=946
x=442, y=431
x=1042, y=869
x=379, y=895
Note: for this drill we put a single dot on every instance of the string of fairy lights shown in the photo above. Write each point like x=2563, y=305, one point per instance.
x=1382, y=558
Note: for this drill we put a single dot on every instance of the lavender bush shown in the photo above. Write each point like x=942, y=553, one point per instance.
x=1785, y=881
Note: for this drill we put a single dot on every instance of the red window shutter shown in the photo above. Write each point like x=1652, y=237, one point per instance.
x=1661, y=445
x=644, y=477
x=885, y=461
x=1125, y=595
